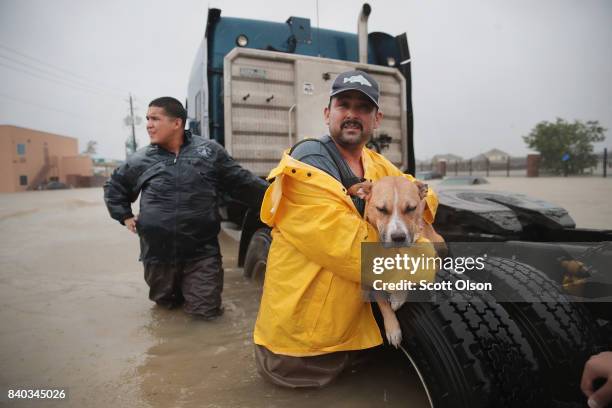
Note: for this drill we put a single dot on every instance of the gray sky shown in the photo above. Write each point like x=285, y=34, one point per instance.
x=484, y=72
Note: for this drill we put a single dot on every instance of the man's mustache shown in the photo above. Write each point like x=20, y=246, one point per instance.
x=351, y=122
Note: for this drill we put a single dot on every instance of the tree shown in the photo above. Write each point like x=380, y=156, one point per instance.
x=91, y=147
x=566, y=148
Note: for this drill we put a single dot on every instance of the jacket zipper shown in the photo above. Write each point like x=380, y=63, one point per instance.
x=176, y=212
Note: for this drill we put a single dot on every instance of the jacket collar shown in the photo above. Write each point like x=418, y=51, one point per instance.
x=187, y=137
x=154, y=148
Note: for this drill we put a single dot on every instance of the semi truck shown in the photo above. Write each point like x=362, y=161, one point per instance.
x=258, y=87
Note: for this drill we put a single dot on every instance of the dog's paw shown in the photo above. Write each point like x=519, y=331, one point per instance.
x=393, y=331
x=361, y=190
x=394, y=337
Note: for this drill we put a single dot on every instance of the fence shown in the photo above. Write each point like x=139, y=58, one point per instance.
x=604, y=165
x=510, y=167
x=513, y=166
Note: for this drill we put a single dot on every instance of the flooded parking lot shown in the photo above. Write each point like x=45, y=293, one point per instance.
x=75, y=314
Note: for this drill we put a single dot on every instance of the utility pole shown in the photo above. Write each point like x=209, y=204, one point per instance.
x=132, y=123
x=131, y=120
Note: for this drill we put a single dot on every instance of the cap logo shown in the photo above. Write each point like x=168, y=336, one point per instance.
x=359, y=79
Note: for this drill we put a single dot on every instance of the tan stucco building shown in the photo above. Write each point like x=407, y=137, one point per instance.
x=30, y=158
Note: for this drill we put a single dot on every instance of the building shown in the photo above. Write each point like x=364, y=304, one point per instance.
x=493, y=155
x=30, y=158
x=448, y=158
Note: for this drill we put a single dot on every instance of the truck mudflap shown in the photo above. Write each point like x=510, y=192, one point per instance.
x=498, y=214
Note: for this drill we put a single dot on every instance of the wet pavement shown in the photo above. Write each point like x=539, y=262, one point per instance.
x=75, y=315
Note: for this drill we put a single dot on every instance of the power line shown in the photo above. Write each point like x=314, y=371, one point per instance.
x=72, y=114
x=57, y=81
x=65, y=71
x=55, y=75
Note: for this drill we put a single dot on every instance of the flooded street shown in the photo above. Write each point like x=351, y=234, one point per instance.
x=75, y=315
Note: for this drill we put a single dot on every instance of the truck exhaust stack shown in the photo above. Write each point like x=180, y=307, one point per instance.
x=362, y=32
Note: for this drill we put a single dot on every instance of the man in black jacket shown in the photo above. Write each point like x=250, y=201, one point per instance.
x=178, y=177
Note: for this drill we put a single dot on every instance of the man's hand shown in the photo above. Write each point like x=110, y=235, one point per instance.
x=130, y=223
x=598, y=367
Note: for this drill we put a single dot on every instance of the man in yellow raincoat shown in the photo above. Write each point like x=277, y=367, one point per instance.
x=313, y=316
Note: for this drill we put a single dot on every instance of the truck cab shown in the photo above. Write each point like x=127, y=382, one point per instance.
x=269, y=67
x=258, y=87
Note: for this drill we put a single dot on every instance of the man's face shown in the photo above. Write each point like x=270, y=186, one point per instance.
x=160, y=126
x=351, y=118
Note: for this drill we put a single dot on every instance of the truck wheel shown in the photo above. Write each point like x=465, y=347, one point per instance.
x=468, y=354
x=562, y=335
x=257, y=255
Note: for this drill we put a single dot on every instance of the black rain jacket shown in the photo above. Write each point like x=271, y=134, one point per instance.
x=179, y=217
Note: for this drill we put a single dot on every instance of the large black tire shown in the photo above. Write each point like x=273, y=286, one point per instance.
x=257, y=255
x=562, y=334
x=468, y=354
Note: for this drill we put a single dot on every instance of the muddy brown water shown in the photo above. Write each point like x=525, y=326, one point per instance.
x=74, y=314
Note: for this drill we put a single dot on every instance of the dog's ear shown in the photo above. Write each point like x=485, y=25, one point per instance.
x=420, y=210
x=422, y=188
x=361, y=190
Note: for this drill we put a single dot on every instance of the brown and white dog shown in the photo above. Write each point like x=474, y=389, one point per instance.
x=394, y=206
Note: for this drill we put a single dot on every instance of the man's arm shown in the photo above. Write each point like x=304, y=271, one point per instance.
x=119, y=197
x=333, y=234
x=324, y=229
x=239, y=182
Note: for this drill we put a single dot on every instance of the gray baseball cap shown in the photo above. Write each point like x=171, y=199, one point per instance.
x=356, y=81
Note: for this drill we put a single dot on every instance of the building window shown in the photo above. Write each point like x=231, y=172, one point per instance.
x=21, y=149
x=23, y=180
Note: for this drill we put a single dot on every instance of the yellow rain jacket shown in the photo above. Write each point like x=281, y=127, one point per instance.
x=312, y=301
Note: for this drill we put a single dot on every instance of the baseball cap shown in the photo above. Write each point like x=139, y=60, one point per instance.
x=356, y=81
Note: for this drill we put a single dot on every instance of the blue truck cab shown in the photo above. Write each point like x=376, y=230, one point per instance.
x=296, y=36
x=254, y=122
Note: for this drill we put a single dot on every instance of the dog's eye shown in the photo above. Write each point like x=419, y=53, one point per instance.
x=409, y=209
x=383, y=210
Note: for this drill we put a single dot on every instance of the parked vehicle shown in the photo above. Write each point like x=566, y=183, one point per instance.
x=55, y=185
x=428, y=175
x=463, y=181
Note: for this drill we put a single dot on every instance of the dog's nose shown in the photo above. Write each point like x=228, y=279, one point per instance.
x=398, y=237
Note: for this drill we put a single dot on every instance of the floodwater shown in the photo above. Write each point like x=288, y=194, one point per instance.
x=74, y=314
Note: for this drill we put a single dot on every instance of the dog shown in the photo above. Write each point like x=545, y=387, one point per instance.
x=394, y=206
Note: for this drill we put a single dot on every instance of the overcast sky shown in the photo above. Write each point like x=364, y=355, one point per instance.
x=484, y=72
